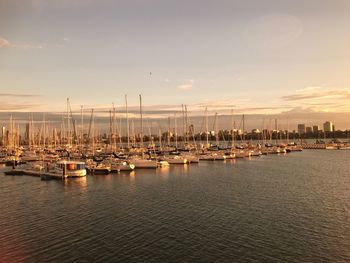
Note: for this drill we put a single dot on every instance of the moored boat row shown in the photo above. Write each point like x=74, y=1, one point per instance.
x=55, y=164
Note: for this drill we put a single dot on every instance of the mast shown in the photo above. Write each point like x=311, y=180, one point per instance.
x=127, y=121
x=29, y=133
x=93, y=135
x=168, y=133
x=141, y=120
x=160, y=139
x=186, y=121
x=54, y=137
x=120, y=132
x=82, y=129
x=192, y=133
x=12, y=133
x=18, y=135
x=68, y=124
x=243, y=120
x=216, y=129
x=183, y=124
x=33, y=131
x=3, y=137
x=287, y=130
x=44, y=133
x=276, y=138
x=206, y=127
x=233, y=130
x=90, y=126
x=114, y=130
x=175, y=130
x=133, y=137
x=150, y=136
x=263, y=134
x=9, y=143
x=110, y=130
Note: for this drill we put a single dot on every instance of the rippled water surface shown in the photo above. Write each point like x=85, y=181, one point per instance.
x=286, y=208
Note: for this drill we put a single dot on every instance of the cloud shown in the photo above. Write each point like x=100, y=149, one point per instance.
x=322, y=94
x=319, y=99
x=217, y=104
x=17, y=95
x=228, y=104
x=196, y=109
x=304, y=110
x=5, y=106
x=308, y=89
x=17, y=102
x=258, y=109
x=186, y=86
x=4, y=43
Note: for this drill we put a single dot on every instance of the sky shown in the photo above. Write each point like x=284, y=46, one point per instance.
x=256, y=57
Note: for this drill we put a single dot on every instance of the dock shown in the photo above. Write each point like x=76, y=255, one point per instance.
x=42, y=174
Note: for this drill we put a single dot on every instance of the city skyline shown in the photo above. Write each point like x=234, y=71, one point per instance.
x=221, y=122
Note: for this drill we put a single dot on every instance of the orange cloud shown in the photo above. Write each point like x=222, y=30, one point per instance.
x=4, y=43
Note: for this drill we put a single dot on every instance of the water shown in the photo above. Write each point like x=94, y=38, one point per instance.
x=288, y=208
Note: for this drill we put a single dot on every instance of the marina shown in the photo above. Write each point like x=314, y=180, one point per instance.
x=60, y=168
x=75, y=150
x=184, y=131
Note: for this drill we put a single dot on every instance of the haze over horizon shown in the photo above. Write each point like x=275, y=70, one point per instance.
x=287, y=58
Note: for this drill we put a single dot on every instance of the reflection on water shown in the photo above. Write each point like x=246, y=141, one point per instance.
x=185, y=168
x=163, y=171
x=180, y=169
x=102, y=177
x=128, y=178
x=131, y=176
x=275, y=208
x=80, y=182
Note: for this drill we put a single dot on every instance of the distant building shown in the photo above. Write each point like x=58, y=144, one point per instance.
x=301, y=128
x=308, y=130
x=315, y=129
x=328, y=126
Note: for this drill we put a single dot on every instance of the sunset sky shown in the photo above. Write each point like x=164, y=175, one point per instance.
x=258, y=57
